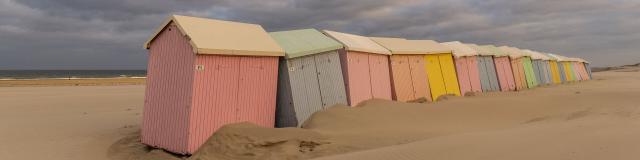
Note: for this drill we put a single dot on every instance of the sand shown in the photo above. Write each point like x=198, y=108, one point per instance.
x=66, y=123
x=598, y=119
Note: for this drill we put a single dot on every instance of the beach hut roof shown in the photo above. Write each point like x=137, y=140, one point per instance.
x=537, y=55
x=298, y=43
x=210, y=36
x=401, y=46
x=514, y=52
x=480, y=50
x=495, y=51
x=560, y=58
x=550, y=56
x=358, y=43
x=460, y=49
x=432, y=47
x=583, y=60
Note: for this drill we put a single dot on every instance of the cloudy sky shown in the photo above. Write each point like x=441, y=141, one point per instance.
x=108, y=34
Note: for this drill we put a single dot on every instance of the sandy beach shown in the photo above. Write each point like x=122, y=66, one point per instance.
x=598, y=119
x=72, y=82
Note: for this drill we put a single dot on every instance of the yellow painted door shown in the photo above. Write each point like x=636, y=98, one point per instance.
x=449, y=74
x=555, y=74
x=434, y=74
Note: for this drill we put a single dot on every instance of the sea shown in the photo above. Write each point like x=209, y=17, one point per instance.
x=70, y=74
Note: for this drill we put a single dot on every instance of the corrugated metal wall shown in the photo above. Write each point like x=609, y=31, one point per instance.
x=380, y=76
x=168, y=91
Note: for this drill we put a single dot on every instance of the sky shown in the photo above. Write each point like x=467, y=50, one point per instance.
x=109, y=34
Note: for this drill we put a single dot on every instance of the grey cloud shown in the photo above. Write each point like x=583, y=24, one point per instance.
x=96, y=34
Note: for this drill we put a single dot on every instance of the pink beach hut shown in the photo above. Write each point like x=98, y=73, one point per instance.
x=466, y=60
x=203, y=74
x=365, y=67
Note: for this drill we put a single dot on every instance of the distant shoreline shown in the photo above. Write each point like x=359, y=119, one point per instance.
x=72, y=78
x=48, y=82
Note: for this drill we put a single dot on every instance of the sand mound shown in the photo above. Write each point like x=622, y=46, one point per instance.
x=248, y=141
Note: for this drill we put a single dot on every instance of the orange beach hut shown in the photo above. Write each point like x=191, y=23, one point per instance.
x=408, y=75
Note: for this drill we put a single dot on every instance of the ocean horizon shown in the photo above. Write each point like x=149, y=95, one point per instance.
x=70, y=74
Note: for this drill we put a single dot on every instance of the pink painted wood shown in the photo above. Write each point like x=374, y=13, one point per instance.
x=419, y=77
x=356, y=74
x=505, y=73
x=185, y=104
x=474, y=74
x=380, y=78
x=168, y=93
x=462, y=69
x=402, y=83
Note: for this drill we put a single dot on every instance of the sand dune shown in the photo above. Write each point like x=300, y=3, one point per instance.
x=598, y=119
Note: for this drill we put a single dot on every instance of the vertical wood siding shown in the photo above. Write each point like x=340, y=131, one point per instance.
x=563, y=73
x=529, y=72
x=489, y=78
x=168, y=91
x=215, y=97
x=537, y=70
x=462, y=68
x=493, y=76
x=474, y=74
x=306, y=85
x=285, y=112
x=586, y=66
x=440, y=70
x=434, y=74
x=231, y=89
x=449, y=74
x=402, y=82
x=257, y=90
x=518, y=74
x=505, y=75
x=305, y=89
x=419, y=77
x=555, y=72
x=380, y=76
x=330, y=79
x=356, y=74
